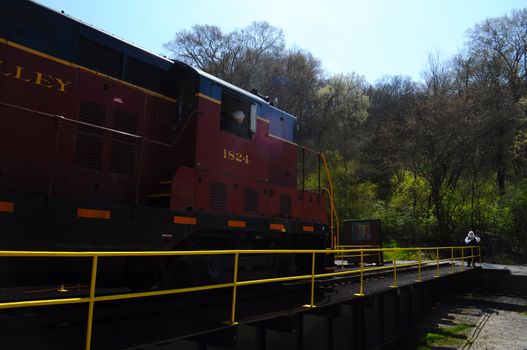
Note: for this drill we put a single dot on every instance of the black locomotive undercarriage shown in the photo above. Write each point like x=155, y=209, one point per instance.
x=39, y=223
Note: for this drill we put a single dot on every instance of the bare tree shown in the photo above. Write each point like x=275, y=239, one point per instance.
x=238, y=57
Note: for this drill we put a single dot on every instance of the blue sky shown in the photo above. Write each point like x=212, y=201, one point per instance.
x=369, y=37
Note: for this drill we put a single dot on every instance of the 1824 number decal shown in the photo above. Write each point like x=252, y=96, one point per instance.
x=235, y=156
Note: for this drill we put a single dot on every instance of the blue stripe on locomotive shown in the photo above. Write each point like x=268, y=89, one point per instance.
x=282, y=124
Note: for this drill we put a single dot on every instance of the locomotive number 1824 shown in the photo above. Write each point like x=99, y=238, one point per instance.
x=235, y=156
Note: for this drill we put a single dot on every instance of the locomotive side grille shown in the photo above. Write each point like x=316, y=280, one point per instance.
x=123, y=157
x=92, y=113
x=125, y=121
x=124, y=148
x=89, y=140
x=88, y=151
x=285, y=205
x=217, y=195
x=251, y=200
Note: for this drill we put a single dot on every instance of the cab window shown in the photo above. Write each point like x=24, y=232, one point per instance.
x=235, y=115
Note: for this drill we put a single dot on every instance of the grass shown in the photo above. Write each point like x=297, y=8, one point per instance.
x=399, y=255
x=443, y=336
x=408, y=255
x=447, y=335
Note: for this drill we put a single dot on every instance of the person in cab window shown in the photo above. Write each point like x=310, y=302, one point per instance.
x=236, y=124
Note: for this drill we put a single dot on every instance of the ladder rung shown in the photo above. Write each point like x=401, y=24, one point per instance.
x=165, y=182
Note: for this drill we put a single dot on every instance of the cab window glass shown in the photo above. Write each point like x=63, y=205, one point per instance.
x=235, y=115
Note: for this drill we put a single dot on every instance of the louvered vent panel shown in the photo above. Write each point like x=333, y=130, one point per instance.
x=217, y=195
x=123, y=157
x=89, y=141
x=251, y=200
x=124, y=148
x=285, y=205
x=88, y=151
x=92, y=113
x=124, y=121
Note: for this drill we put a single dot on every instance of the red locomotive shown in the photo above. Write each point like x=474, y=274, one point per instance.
x=104, y=146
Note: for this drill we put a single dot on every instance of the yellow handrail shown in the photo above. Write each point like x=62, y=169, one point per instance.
x=333, y=210
x=92, y=299
x=312, y=299
x=419, y=267
x=361, y=290
x=235, y=284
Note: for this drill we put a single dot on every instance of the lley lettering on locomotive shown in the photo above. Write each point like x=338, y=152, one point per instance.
x=36, y=77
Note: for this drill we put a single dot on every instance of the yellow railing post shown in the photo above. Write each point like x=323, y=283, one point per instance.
x=332, y=202
x=419, y=266
x=234, y=287
x=361, y=290
x=479, y=253
x=312, y=303
x=462, y=258
x=340, y=255
x=452, y=258
x=92, y=302
x=335, y=239
x=394, y=285
x=437, y=263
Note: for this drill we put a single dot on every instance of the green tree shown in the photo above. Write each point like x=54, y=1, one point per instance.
x=497, y=52
x=340, y=107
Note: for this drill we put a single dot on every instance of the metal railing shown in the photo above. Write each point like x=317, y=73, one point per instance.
x=425, y=256
x=334, y=225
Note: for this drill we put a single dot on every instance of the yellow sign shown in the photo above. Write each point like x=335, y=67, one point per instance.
x=34, y=77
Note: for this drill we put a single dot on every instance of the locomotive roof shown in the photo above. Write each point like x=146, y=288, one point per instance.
x=129, y=48
x=237, y=89
x=79, y=21
x=213, y=78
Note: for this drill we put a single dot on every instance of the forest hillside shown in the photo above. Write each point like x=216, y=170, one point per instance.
x=432, y=158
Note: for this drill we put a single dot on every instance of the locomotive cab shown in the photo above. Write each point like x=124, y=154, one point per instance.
x=244, y=156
